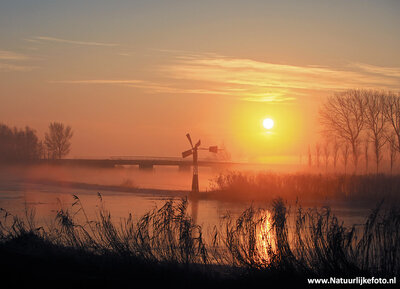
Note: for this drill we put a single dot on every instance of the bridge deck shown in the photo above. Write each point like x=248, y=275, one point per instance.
x=142, y=163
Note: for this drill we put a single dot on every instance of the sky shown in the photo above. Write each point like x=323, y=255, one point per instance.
x=133, y=77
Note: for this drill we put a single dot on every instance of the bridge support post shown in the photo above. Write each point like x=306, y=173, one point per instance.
x=146, y=167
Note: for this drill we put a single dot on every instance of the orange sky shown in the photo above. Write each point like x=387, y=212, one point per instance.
x=132, y=78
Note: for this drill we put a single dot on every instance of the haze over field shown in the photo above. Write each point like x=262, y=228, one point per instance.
x=133, y=77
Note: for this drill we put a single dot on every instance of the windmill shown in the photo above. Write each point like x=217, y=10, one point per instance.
x=193, y=151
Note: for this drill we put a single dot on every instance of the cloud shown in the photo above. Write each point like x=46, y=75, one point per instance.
x=387, y=71
x=60, y=40
x=148, y=86
x=11, y=61
x=101, y=81
x=13, y=67
x=265, y=81
x=256, y=81
x=10, y=55
x=255, y=74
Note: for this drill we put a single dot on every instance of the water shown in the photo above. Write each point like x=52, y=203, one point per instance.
x=39, y=188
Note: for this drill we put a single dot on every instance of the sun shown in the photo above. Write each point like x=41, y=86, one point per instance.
x=268, y=123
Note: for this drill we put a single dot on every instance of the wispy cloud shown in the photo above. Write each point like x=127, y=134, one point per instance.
x=380, y=70
x=101, y=81
x=13, y=61
x=11, y=55
x=13, y=67
x=67, y=41
x=265, y=81
x=256, y=81
x=146, y=85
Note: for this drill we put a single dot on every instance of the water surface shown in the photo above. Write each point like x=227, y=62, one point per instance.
x=47, y=189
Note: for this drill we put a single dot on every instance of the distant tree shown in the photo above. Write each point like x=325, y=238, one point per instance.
x=335, y=151
x=317, y=154
x=342, y=115
x=326, y=153
x=58, y=140
x=366, y=152
x=6, y=143
x=18, y=145
x=42, y=150
x=345, y=155
x=375, y=122
x=392, y=152
x=29, y=144
x=392, y=116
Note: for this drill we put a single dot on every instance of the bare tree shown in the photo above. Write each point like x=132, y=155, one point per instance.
x=345, y=155
x=18, y=145
x=366, y=152
x=41, y=150
x=392, y=152
x=317, y=154
x=326, y=153
x=392, y=116
x=309, y=157
x=335, y=151
x=375, y=122
x=28, y=147
x=58, y=140
x=342, y=115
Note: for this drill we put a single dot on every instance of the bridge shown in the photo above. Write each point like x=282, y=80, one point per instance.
x=144, y=163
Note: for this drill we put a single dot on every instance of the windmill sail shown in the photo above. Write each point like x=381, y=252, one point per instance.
x=190, y=139
x=187, y=153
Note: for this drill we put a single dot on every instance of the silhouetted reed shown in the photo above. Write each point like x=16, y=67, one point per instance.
x=260, y=242
x=307, y=187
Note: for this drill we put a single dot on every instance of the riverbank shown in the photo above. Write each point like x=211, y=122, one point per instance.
x=166, y=247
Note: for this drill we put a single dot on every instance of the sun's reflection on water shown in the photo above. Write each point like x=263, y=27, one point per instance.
x=265, y=237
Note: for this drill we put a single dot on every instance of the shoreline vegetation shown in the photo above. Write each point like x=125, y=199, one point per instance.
x=276, y=246
x=365, y=189
x=232, y=186
x=281, y=245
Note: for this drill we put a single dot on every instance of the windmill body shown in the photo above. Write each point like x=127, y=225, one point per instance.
x=194, y=151
x=195, y=180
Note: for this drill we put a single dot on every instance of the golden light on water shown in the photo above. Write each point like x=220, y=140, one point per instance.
x=265, y=240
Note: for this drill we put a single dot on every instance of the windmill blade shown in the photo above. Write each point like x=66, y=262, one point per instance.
x=198, y=144
x=190, y=139
x=187, y=153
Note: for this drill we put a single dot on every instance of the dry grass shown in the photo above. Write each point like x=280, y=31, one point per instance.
x=238, y=186
x=259, y=244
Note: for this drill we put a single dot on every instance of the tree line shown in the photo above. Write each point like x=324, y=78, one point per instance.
x=23, y=145
x=359, y=124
